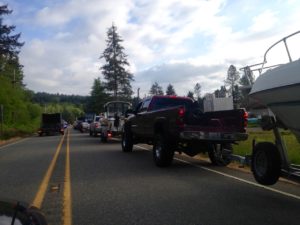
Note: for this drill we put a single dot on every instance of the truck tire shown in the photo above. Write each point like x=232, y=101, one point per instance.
x=127, y=141
x=163, y=152
x=266, y=163
x=220, y=154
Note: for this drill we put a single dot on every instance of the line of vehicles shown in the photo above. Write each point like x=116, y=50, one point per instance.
x=176, y=124
x=107, y=124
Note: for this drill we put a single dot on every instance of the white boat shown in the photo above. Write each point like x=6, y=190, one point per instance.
x=279, y=89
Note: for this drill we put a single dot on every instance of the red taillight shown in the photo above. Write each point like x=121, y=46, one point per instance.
x=109, y=134
x=96, y=125
x=245, y=117
x=179, y=120
x=181, y=112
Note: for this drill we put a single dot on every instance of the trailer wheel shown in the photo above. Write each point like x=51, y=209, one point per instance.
x=162, y=151
x=220, y=154
x=127, y=141
x=266, y=163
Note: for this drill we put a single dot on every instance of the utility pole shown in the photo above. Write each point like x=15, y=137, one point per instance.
x=138, y=93
x=14, y=84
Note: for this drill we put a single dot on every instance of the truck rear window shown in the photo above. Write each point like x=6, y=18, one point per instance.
x=160, y=103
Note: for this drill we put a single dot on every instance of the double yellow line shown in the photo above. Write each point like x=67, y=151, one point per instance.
x=67, y=201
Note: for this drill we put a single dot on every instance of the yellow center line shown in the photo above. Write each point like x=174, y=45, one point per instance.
x=39, y=197
x=67, y=213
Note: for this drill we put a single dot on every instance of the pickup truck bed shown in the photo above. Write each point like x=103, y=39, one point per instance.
x=176, y=124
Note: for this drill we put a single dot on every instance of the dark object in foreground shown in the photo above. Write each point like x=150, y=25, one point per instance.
x=15, y=212
x=51, y=124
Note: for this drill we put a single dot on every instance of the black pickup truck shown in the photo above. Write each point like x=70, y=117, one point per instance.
x=172, y=123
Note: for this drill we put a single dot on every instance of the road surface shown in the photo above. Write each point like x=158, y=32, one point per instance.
x=77, y=180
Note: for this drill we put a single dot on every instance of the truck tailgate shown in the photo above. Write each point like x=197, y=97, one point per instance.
x=220, y=125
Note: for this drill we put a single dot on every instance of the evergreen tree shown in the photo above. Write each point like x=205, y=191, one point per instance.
x=232, y=79
x=248, y=78
x=197, y=91
x=221, y=93
x=170, y=90
x=190, y=95
x=98, y=97
x=156, y=89
x=9, y=43
x=246, y=83
x=9, y=49
x=114, y=70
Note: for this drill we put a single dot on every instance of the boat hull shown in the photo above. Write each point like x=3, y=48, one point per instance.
x=279, y=90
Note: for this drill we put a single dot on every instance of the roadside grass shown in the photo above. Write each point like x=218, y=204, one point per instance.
x=20, y=130
x=293, y=146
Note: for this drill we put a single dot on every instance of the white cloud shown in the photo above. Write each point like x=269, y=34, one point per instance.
x=264, y=21
x=178, y=42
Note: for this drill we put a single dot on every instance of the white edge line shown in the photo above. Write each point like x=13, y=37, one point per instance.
x=233, y=177
x=2, y=147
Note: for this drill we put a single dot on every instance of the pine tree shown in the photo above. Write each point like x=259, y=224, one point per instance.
x=221, y=93
x=156, y=89
x=117, y=77
x=197, y=91
x=170, y=90
x=246, y=83
x=9, y=43
x=98, y=97
x=232, y=79
x=248, y=78
x=9, y=49
x=190, y=95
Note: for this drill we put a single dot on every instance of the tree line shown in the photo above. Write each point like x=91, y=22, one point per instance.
x=21, y=108
x=17, y=113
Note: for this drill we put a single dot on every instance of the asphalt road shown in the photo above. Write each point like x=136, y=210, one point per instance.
x=108, y=186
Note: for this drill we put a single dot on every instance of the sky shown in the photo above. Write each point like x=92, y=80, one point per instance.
x=178, y=42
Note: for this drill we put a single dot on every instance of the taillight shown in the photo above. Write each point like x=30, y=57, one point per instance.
x=181, y=112
x=96, y=125
x=245, y=117
x=179, y=120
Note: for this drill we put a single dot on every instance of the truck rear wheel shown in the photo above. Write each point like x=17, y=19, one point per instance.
x=266, y=163
x=220, y=154
x=162, y=151
x=127, y=142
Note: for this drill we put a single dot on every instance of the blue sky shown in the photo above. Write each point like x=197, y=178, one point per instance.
x=167, y=41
